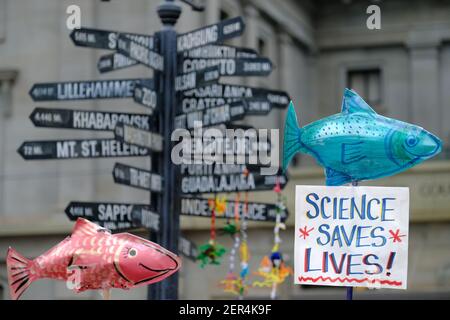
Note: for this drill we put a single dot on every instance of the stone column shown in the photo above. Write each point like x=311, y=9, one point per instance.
x=425, y=102
x=212, y=12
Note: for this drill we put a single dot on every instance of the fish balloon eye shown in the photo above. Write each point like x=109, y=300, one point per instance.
x=132, y=253
x=411, y=141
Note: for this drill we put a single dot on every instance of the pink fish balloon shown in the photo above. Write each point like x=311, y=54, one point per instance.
x=92, y=258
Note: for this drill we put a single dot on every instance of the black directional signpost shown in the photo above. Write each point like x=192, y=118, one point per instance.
x=186, y=69
x=88, y=120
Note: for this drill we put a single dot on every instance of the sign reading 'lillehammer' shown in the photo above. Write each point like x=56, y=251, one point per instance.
x=84, y=90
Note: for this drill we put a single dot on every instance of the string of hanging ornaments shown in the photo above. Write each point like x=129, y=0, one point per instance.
x=273, y=269
x=211, y=252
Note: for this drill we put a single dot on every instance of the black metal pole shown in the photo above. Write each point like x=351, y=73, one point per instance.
x=169, y=13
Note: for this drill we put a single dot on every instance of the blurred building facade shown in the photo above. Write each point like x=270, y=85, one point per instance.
x=318, y=48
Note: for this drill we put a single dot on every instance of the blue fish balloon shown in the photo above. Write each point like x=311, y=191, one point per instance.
x=358, y=144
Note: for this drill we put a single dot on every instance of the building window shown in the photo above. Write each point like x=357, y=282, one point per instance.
x=367, y=83
x=262, y=47
x=224, y=15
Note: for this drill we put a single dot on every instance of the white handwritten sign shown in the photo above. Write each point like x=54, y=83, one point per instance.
x=351, y=236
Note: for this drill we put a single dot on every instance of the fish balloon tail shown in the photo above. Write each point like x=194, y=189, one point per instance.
x=19, y=273
x=292, y=136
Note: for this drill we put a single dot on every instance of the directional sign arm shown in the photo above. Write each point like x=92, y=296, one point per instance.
x=142, y=138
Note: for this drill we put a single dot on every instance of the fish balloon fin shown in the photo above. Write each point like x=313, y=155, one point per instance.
x=292, y=134
x=352, y=103
x=85, y=228
x=352, y=152
x=19, y=273
x=336, y=178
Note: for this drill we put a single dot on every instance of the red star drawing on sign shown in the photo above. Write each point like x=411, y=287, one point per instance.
x=305, y=232
x=396, y=236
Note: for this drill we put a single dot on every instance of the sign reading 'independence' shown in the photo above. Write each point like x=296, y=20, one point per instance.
x=211, y=34
x=79, y=149
x=83, y=90
x=114, y=216
x=87, y=120
x=199, y=207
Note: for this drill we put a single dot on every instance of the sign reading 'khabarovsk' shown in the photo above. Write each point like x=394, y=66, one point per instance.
x=351, y=236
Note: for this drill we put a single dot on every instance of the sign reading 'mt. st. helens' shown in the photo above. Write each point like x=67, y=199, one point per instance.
x=79, y=149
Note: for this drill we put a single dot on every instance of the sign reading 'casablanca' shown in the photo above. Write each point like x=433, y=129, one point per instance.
x=278, y=99
x=78, y=149
x=351, y=236
x=87, y=120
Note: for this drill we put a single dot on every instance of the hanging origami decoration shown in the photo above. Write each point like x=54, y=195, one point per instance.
x=232, y=283
x=358, y=144
x=92, y=258
x=273, y=270
x=211, y=252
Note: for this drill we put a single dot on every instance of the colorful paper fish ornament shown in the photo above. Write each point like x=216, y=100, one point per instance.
x=358, y=144
x=92, y=258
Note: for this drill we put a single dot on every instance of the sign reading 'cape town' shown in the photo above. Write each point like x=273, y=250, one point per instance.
x=211, y=117
x=211, y=34
x=230, y=183
x=142, y=138
x=82, y=90
x=218, y=52
x=278, y=99
x=137, y=178
x=229, y=67
x=199, y=207
x=114, y=216
x=87, y=120
x=104, y=39
x=78, y=149
x=140, y=53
